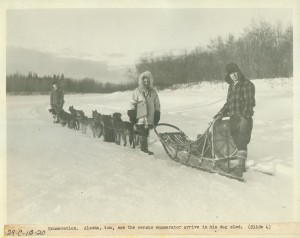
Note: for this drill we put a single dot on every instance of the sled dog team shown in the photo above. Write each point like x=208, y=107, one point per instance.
x=111, y=127
x=144, y=114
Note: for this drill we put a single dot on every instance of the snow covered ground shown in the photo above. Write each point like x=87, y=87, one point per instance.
x=58, y=175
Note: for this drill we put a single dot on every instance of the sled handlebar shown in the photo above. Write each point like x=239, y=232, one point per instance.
x=166, y=124
x=175, y=127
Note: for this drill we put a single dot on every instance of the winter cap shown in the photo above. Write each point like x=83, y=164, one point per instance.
x=232, y=68
x=54, y=82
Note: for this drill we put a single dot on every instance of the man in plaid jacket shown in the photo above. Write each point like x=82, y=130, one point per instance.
x=239, y=107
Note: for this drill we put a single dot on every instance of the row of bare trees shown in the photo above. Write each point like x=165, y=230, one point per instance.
x=263, y=50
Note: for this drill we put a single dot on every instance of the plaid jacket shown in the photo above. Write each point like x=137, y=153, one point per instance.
x=240, y=99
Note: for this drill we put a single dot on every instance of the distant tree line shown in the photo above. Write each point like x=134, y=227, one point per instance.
x=262, y=51
x=32, y=83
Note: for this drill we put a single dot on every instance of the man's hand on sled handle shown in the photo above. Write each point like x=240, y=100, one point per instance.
x=218, y=117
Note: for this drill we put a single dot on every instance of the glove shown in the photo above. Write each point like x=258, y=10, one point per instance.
x=218, y=117
x=132, y=116
x=156, y=117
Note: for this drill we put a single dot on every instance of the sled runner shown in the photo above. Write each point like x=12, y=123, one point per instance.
x=212, y=151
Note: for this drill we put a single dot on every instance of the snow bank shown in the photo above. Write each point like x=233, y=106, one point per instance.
x=58, y=175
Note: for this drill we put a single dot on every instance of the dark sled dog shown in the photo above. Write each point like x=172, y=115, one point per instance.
x=53, y=112
x=98, y=124
x=122, y=129
x=67, y=118
x=108, y=130
x=76, y=114
x=64, y=118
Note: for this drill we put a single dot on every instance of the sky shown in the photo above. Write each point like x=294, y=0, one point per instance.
x=119, y=37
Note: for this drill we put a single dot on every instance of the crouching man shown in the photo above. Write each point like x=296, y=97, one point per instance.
x=239, y=107
x=144, y=109
x=57, y=100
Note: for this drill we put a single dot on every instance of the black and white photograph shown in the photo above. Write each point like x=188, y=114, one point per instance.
x=150, y=114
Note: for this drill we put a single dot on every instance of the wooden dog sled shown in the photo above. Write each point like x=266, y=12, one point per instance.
x=212, y=151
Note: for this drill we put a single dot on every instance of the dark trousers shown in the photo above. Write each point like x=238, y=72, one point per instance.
x=241, y=132
x=58, y=107
x=143, y=137
x=142, y=131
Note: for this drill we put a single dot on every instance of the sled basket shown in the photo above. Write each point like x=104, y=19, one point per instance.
x=212, y=151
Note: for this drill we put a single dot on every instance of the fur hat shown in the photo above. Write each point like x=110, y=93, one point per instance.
x=143, y=75
x=54, y=82
x=232, y=68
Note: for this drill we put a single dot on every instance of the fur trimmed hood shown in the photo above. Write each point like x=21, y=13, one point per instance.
x=148, y=75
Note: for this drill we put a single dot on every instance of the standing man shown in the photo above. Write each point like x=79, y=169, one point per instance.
x=239, y=107
x=57, y=100
x=146, y=97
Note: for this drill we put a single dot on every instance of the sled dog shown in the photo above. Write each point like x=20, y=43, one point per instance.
x=122, y=129
x=108, y=131
x=53, y=112
x=76, y=114
x=98, y=124
x=85, y=122
x=67, y=118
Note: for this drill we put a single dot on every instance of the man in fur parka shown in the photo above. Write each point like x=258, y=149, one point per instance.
x=147, y=94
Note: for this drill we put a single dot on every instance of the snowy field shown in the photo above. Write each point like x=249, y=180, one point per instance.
x=59, y=175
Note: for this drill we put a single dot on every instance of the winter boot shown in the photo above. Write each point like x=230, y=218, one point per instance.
x=142, y=142
x=144, y=145
x=56, y=119
x=238, y=166
x=242, y=156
